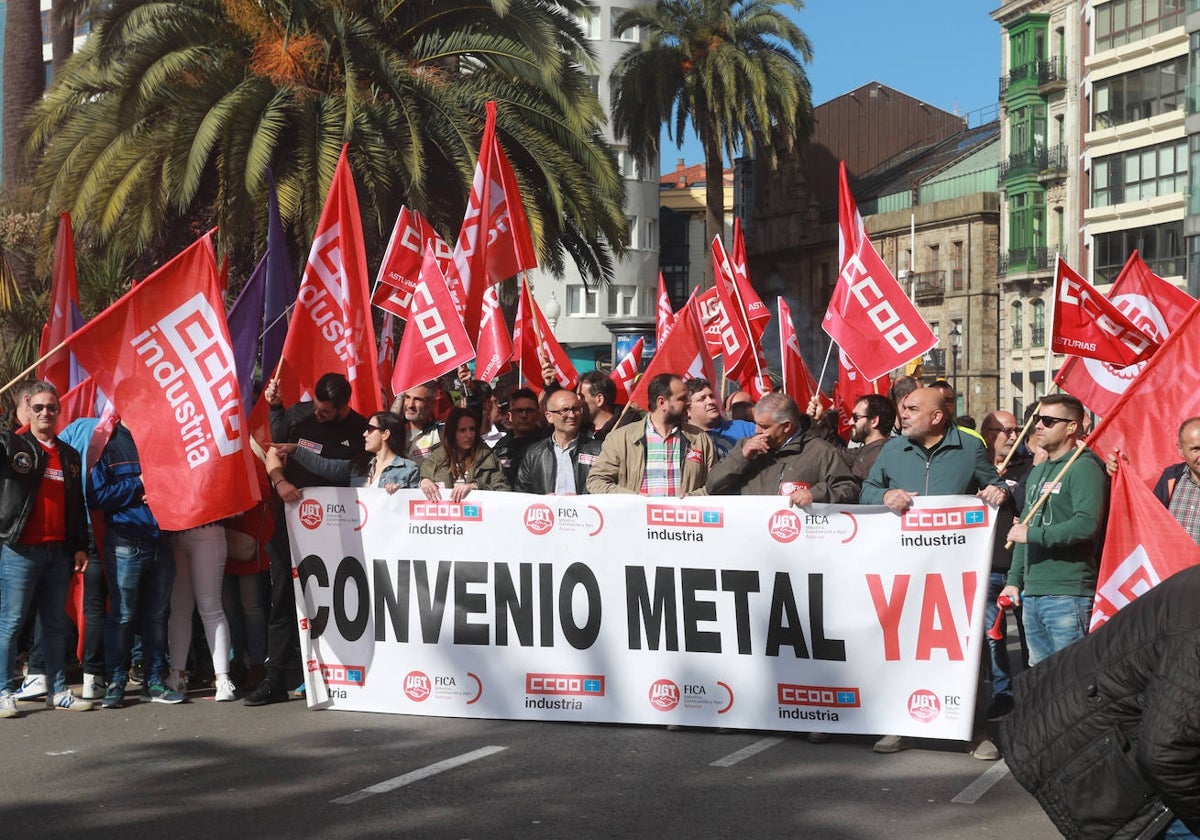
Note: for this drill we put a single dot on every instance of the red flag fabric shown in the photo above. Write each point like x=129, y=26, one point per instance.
x=851, y=385
x=1087, y=323
x=869, y=315
x=756, y=311
x=533, y=341
x=80, y=401
x=495, y=350
x=798, y=381
x=684, y=353
x=735, y=328
x=1143, y=546
x=712, y=320
x=1155, y=306
x=387, y=355
x=494, y=242
x=162, y=355
x=1168, y=384
x=331, y=330
x=64, y=299
x=401, y=266
x=434, y=340
x=663, y=316
x=626, y=371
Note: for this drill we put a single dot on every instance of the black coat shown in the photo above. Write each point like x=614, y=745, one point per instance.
x=1106, y=733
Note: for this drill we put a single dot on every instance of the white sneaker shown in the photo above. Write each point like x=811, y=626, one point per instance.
x=226, y=690
x=94, y=687
x=8, y=705
x=33, y=687
x=66, y=701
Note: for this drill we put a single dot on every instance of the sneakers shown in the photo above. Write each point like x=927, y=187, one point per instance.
x=266, y=694
x=33, y=687
x=819, y=737
x=176, y=682
x=137, y=673
x=226, y=690
x=66, y=701
x=892, y=744
x=986, y=751
x=159, y=693
x=8, y=705
x=93, y=687
x=114, y=696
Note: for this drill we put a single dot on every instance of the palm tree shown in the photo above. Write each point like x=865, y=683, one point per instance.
x=24, y=79
x=169, y=117
x=729, y=67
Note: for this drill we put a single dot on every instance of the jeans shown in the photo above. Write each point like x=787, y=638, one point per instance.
x=1052, y=622
x=1178, y=831
x=199, y=571
x=95, y=597
x=140, y=574
x=246, y=609
x=997, y=648
x=35, y=577
x=283, y=637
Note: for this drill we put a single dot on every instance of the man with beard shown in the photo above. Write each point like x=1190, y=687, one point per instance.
x=422, y=431
x=872, y=421
x=659, y=456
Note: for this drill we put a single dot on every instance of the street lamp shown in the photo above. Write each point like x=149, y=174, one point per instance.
x=955, y=343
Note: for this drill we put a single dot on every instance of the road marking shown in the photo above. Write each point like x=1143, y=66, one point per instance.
x=746, y=752
x=416, y=775
x=973, y=792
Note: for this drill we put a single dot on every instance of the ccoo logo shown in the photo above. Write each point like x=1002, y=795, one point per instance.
x=539, y=519
x=311, y=514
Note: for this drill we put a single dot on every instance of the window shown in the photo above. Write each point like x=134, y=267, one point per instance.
x=1143, y=93
x=630, y=34
x=935, y=253
x=1125, y=21
x=1140, y=174
x=622, y=301
x=1018, y=325
x=651, y=234
x=957, y=275
x=631, y=231
x=589, y=22
x=1161, y=246
x=1038, y=329
x=582, y=302
x=627, y=164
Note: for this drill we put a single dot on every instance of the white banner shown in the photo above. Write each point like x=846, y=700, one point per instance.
x=712, y=611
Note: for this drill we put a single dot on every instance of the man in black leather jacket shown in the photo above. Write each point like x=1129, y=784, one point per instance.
x=541, y=470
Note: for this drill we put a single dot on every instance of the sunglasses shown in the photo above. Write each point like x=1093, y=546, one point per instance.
x=1004, y=430
x=370, y=429
x=854, y=418
x=1050, y=422
x=49, y=408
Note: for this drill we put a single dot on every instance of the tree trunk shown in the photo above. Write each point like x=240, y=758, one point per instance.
x=24, y=80
x=714, y=201
x=62, y=34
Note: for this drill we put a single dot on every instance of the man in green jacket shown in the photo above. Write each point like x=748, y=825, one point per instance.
x=1055, y=559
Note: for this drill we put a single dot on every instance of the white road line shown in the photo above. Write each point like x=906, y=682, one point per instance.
x=973, y=792
x=416, y=775
x=746, y=752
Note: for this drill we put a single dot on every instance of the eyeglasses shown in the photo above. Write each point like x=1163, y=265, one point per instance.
x=523, y=410
x=563, y=412
x=371, y=429
x=1051, y=422
x=49, y=408
x=1004, y=430
x=854, y=418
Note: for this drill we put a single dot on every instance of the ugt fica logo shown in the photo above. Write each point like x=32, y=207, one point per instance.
x=924, y=706
x=784, y=526
x=311, y=514
x=664, y=695
x=539, y=519
x=417, y=686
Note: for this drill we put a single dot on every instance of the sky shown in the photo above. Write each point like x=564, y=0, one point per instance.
x=943, y=52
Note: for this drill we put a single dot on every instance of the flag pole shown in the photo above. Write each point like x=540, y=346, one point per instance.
x=782, y=348
x=1024, y=432
x=1079, y=447
x=61, y=345
x=825, y=366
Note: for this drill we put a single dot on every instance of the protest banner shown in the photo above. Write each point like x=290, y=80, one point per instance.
x=734, y=612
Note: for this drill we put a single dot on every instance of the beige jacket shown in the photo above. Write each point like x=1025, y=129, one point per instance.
x=621, y=465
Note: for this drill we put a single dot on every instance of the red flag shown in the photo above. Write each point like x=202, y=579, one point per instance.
x=1087, y=323
x=494, y=243
x=80, y=401
x=869, y=315
x=1143, y=546
x=1168, y=384
x=495, y=350
x=331, y=329
x=712, y=320
x=533, y=341
x=64, y=309
x=734, y=330
x=663, y=316
x=756, y=311
x=162, y=355
x=626, y=371
x=387, y=355
x=1155, y=306
x=401, y=266
x=798, y=381
x=434, y=340
x=851, y=385
x=684, y=353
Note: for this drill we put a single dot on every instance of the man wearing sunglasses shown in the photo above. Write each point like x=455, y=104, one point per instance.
x=1055, y=559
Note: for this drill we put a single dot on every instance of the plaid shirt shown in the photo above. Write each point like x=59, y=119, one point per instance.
x=1185, y=505
x=664, y=464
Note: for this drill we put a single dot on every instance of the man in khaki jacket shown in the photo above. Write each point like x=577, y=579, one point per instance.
x=660, y=456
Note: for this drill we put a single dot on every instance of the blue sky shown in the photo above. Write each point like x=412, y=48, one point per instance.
x=944, y=52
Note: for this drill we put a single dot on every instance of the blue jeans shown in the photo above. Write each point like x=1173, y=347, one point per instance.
x=35, y=577
x=1052, y=622
x=1178, y=831
x=997, y=649
x=140, y=574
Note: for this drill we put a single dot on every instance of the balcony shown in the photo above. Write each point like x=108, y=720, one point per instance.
x=1018, y=336
x=1049, y=164
x=1051, y=75
x=929, y=285
x=1025, y=260
x=1037, y=336
x=1017, y=75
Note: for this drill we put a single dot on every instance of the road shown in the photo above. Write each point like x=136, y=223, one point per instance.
x=204, y=769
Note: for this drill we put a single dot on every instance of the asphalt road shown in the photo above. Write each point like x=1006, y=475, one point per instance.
x=205, y=769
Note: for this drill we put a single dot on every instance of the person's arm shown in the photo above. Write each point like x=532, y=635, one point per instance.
x=110, y=491
x=488, y=475
x=1170, y=732
x=604, y=473
x=335, y=470
x=839, y=487
x=729, y=475
x=526, y=473
x=877, y=482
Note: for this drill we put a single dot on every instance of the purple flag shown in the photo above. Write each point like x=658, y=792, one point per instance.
x=245, y=321
x=280, y=286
